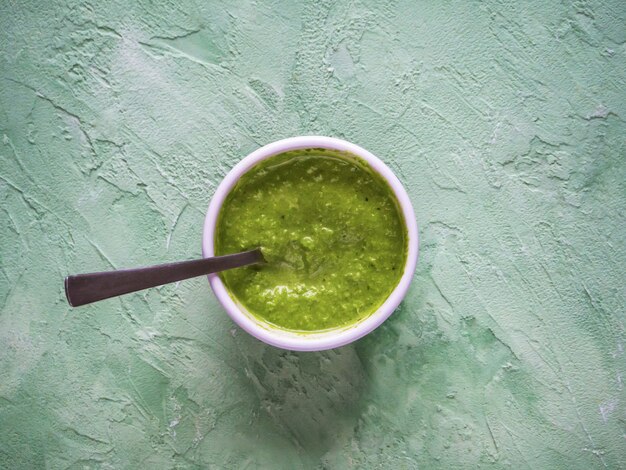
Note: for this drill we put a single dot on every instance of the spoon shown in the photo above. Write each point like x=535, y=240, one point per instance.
x=84, y=289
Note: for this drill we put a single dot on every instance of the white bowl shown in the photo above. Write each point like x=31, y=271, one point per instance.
x=327, y=339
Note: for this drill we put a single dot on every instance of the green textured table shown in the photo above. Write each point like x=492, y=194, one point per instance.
x=505, y=122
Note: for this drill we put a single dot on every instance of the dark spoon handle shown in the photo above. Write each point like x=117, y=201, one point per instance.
x=86, y=288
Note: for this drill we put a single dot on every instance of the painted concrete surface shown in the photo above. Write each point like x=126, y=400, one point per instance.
x=506, y=123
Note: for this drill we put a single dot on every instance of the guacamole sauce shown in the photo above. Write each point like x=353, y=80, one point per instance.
x=331, y=231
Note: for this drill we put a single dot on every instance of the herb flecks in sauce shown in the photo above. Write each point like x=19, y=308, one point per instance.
x=331, y=231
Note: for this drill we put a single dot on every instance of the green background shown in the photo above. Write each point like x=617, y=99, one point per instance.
x=504, y=120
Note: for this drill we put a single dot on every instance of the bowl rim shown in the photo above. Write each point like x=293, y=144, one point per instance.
x=327, y=339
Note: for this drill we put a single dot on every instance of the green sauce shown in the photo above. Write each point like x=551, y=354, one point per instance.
x=331, y=231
